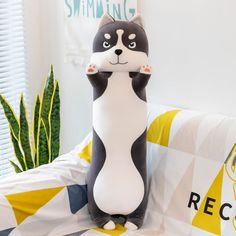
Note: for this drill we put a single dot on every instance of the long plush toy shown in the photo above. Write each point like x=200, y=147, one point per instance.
x=119, y=73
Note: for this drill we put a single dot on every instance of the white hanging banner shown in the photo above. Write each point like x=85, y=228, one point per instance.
x=81, y=22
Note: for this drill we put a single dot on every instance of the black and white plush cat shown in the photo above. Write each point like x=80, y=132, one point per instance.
x=119, y=73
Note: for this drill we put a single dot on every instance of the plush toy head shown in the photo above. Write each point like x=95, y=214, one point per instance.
x=120, y=45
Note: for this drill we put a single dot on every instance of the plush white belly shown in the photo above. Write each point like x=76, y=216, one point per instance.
x=119, y=118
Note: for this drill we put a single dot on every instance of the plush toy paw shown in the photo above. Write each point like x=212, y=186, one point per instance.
x=110, y=225
x=130, y=226
x=146, y=69
x=91, y=69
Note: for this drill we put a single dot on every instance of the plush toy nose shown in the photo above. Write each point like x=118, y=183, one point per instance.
x=118, y=52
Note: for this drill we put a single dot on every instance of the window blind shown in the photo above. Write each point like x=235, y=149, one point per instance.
x=12, y=73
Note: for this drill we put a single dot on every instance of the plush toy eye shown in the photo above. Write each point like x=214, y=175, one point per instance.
x=106, y=44
x=132, y=45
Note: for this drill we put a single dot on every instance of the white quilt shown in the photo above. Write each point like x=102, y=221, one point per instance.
x=192, y=183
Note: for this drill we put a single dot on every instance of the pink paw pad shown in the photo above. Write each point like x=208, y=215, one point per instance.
x=91, y=69
x=146, y=69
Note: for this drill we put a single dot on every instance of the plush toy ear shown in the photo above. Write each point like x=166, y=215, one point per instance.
x=106, y=19
x=137, y=19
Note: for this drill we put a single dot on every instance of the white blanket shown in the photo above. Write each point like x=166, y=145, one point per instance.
x=191, y=175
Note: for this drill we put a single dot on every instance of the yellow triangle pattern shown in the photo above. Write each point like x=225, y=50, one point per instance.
x=27, y=203
x=159, y=131
x=211, y=223
x=234, y=222
x=86, y=152
x=119, y=230
x=234, y=189
x=230, y=164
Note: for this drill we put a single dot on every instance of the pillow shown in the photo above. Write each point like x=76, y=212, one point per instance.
x=119, y=73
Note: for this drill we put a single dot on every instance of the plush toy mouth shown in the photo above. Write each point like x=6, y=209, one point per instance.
x=118, y=63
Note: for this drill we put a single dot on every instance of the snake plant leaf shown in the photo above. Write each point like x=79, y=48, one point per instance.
x=55, y=123
x=11, y=117
x=36, y=123
x=46, y=100
x=16, y=167
x=42, y=149
x=18, y=152
x=24, y=135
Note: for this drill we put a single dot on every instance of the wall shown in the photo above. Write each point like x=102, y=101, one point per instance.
x=193, y=54
x=45, y=37
x=193, y=51
x=32, y=18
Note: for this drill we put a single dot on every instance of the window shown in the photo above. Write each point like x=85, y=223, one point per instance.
x=12, y=72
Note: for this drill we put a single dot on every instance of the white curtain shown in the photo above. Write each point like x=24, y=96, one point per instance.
x=12, y=72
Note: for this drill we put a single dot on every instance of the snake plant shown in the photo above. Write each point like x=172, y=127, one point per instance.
x=46, y=128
